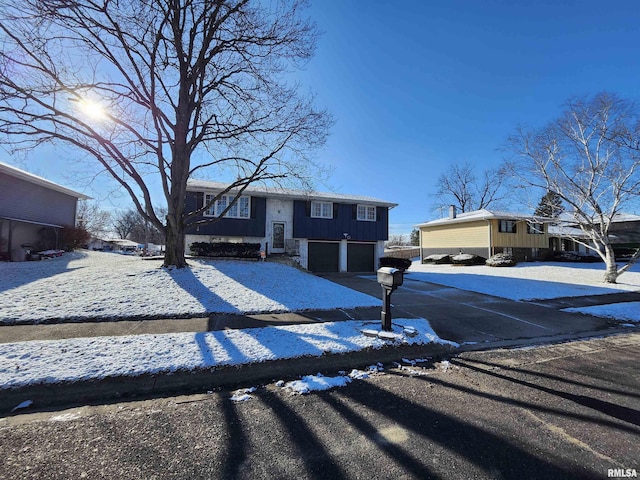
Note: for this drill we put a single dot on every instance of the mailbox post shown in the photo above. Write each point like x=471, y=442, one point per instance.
x=390, y=279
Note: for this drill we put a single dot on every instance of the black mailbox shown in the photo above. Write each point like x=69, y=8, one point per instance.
x=390, y=277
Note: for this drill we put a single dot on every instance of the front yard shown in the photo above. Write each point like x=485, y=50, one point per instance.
x=108, y=286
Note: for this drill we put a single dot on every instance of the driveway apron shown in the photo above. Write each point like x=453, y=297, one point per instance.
x=468, y=317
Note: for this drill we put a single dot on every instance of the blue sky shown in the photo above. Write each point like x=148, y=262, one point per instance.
x=416, y=86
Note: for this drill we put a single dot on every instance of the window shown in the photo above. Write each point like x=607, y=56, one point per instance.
x=367, y=213
x=535, y=228
x=322, y=209
x=507, y=226
x=240, y=209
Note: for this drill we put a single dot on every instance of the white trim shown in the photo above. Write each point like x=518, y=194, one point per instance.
x=322, y=212
x=220, y=204
x=367, y=210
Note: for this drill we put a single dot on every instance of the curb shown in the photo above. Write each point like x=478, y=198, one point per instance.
x=124, y=388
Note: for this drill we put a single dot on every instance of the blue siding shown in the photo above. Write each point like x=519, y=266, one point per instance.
x=230, y=227
x=343, y=221
x=28, y=201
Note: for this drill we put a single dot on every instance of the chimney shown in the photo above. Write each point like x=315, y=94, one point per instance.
x=452, y=211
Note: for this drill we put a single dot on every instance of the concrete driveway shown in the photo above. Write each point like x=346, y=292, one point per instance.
x=472, y=318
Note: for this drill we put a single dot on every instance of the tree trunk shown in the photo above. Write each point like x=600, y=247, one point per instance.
x=175, y=246
x=611, y=270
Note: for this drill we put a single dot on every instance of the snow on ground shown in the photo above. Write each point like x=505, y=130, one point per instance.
x=527, y=281
x=311, y=383
x=104, y=285
x=54, y=361
x=629, y=311
x=107, y=285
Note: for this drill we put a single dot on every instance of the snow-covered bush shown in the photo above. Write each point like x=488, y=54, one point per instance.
x=501, y=260
x=467, y=259
x=438, y=258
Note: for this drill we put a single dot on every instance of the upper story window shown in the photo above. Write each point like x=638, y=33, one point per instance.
x=367, y=213
x=240, y=209
x=322, y=209
x=507, y=226
x=535, y=228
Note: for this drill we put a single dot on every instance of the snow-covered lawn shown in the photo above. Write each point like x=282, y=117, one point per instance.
x=78, y=359
x=629, y=311
x=527, y=281
x=107, y=285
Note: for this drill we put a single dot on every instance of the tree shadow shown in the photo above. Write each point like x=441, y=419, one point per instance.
x=236, y=454
x=318, y=461
x=17, y=274
x=241, y=346
x=295, y=290
x=526, y=405
x=488, y=451
x=390, y=450
x=193, y=286
x=628, y=415
x=553, y=377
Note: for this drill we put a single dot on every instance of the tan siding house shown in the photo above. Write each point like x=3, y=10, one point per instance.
x=485, y=233
x=456, y=235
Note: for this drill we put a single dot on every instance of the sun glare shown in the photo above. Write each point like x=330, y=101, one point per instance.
x=92, y=109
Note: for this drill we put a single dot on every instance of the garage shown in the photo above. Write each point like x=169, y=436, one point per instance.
x=324, y=257
x=360, y=257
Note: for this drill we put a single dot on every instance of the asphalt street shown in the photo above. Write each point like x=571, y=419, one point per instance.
x=570, y=410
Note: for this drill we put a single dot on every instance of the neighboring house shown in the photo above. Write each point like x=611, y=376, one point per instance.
x=323, y=232
x=33, y=211
x=123, y=245
x=624, y=233
x=485, y=233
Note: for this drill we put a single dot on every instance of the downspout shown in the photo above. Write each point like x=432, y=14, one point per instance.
x=489, y=246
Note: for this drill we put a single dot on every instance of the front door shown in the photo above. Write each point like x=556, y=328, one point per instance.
x=277, y=239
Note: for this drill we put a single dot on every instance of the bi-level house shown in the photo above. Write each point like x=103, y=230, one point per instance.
x=33, y=211
x=324, y=232
x=485, y=233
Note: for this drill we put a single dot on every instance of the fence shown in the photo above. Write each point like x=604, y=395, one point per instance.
x=408, y=252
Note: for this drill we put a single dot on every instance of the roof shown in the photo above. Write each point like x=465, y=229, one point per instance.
x=278, y=192
x=621, y=217
x=566, y=231
x=30, y=177
x=14, y=219
x=484, y=214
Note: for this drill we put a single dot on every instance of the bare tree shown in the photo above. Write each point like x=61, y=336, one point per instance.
x=397, y=240
x=157, y=91
x=460, y=187
x=126, y=222
x=93, y=219
x=131, y=225
x=590, y=158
